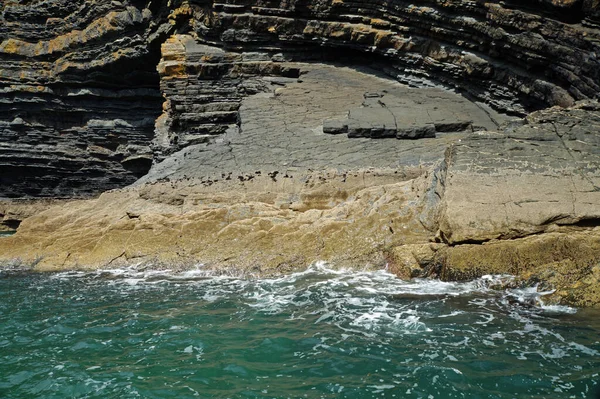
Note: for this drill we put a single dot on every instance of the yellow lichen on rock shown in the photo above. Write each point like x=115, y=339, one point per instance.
x=172, y=64
x=183, y=11
x=13, y=46
x=114, y=21
x=229, y=227
x=566, y=261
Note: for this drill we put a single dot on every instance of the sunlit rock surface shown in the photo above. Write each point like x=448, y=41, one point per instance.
x=268, y=135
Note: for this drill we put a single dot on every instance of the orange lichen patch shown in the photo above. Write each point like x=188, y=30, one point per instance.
x=212, y=58
x=112, y=22
x=170, y=70
x=358, y=33
x=183, y=11
x=65, y=63
x=173, y=60
x=30, y=89
x=379, y=23
x=339, y=34
x=16, y=47
x=272, y=29
x=173, y=53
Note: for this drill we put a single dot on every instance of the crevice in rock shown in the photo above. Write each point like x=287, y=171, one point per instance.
x=586, y=223
x=11, y=224
x=433, y=209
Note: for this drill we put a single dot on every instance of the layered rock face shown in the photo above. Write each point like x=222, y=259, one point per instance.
x=263, y=153
x=509, y=55
x=531, y=196
x=516, y=58
x=522, y=200
x=545, y=172
x=81, y=95
x=203, y=87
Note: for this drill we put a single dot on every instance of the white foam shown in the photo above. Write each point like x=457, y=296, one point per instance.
x=558, y=309
x=584, y=349
x=488, y=318
x=452, y=314
x=370, y=303
x=381, y=388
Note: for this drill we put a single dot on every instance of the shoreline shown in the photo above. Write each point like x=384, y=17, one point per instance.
x=276, y=193
x=276, y=228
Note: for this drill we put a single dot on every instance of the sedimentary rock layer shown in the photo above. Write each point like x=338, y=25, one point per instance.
x=474, y=209
x=78, y=97
x=537, y=174
x=81, y=96
x=514, y=57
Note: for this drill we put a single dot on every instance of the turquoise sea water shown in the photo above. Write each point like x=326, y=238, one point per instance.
x=317, y=334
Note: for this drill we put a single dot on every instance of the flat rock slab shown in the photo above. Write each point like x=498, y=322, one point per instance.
x=283, y=130
x=529, y=179
x=408, y=113
x=260, y=225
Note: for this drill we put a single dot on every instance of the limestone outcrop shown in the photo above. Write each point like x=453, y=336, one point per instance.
x=525, y=201
x=457, y=215
x=536, y=175
x=256, y=136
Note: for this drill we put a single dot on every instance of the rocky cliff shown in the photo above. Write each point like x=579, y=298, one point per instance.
x=83, y=82
x=79, y=96
x=249, y=130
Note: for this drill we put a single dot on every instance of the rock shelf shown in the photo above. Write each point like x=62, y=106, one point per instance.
x=258, y=137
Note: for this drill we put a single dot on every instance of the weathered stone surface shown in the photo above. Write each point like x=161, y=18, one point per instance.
x=12, y=212
x=80, y=104
x=407, y=113
x=413, y=260
x=525, y=180
x=257, y=226
x=526, y=201
x=567, y=262
x=279, y=130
